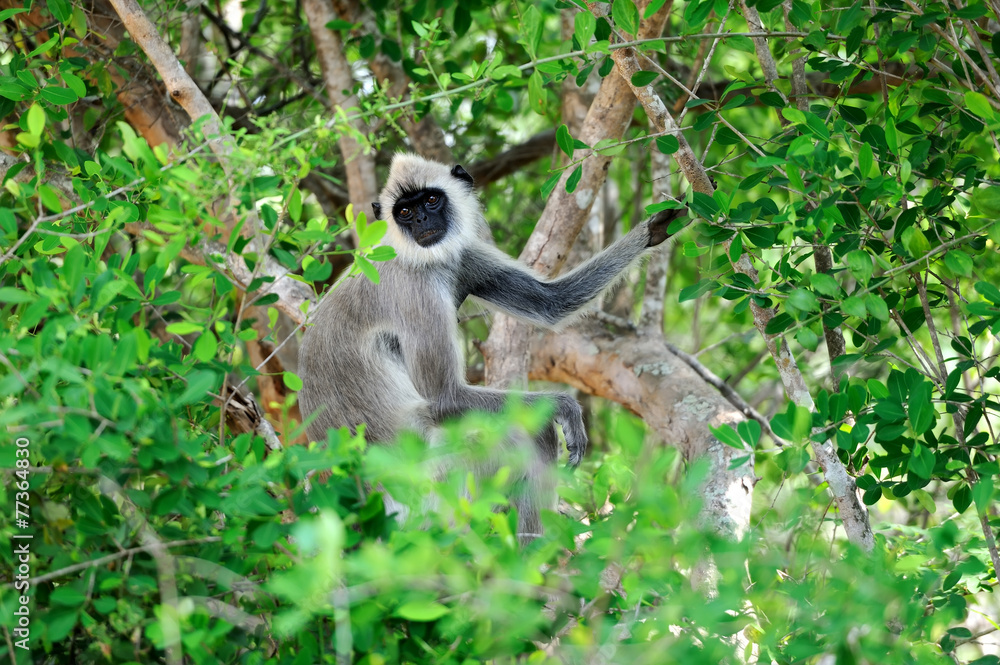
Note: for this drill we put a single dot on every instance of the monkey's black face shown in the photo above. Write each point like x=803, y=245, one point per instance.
x=423, y=215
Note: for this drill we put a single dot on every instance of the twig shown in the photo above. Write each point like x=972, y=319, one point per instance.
x=726, y=391
x=166, y=567
x=100, y=561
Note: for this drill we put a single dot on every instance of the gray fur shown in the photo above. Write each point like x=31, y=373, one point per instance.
x=389, y=355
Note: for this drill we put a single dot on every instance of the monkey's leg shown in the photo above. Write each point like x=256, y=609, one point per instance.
x=568, y=413
x=533, y=460
x=536, y=490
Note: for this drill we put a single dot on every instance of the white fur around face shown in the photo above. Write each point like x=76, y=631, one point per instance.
x=412, y=172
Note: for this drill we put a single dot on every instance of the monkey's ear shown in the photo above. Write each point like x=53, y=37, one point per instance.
x=463, y=175
x=377, y=209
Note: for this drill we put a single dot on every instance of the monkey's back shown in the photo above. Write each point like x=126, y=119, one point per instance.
x=366, y=343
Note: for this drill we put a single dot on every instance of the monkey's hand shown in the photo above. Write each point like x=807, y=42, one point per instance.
x=569, y=415
x=659, y=223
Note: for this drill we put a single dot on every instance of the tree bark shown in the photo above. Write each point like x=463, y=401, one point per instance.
x=505, y=351
x=641, y=374
x=358, y=161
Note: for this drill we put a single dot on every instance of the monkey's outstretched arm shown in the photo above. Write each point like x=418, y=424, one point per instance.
x=488, y=274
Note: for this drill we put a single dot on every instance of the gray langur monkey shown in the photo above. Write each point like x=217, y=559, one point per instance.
x=389, y=354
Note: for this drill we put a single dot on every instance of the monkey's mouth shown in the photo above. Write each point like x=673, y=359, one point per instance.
x=429, y=237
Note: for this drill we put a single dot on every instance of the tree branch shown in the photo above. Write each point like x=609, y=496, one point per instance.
x=565, y=213
x=358, y=162
x=640, y=373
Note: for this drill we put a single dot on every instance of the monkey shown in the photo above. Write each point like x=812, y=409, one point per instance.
x=389, y=354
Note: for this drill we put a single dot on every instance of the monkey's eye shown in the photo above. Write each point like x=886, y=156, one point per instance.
x=432, y=199
x=405, y=212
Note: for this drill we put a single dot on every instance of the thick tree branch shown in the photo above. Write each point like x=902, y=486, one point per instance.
x=640, y=373
x=358, y=162
x=181, y=88
x=565, y=213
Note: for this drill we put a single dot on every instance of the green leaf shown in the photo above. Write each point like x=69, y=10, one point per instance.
x=14, y=296
x=653, y=7
x=13, y=11
x=989, y=292
x=626, y=16
x=866, y=161
x=854, y=306
x=199, y=383
x=921, y=461
x=859, y=263
x=691, y=292
x=35, y=120
x=373, y=233
x=980, y=105
x=704, y=205
x=855, y=116
x=583, y=27
x=292, y=381
x=959, y=262
x=564, y=140
x=807, y=338
x=876, y=307
x=641, y=79
x=749, y=431
x=803, y=300
x=61, y=10
x=536, y=93
x=792, y=425
x=367, y=269
x=982, y=494
x=67, y=595
x=206, y=347
x=421, y=611
x=754, y=179
x=736, y=248
x=608, y=147
x=574, y=179
x=668, y=145
x=877, y=389
x=825, y=284
x=915, y=242
x=57, y=95
x=531, y=30
x=75, y=83
x=987, y=200
x=550, y=184
x=890, y=411
x=695, y=13
x=962, y=498
x=184, y=328
x=762, y=237
x=922, y=413
x=727, y=435
x=295, y=205
x=779, y=323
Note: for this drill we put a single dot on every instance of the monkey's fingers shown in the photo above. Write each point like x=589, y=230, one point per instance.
x=576, y=444
x=659, y=224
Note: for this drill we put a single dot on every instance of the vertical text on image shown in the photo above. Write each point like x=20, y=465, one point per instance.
x=22, y=544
